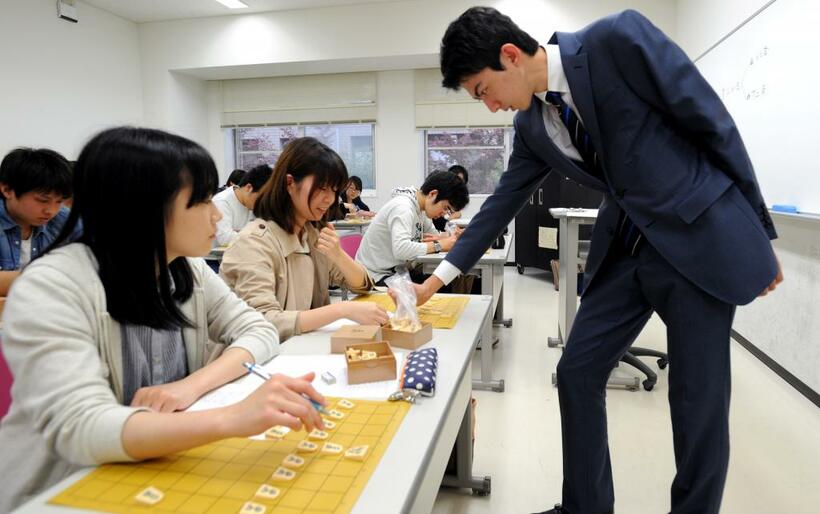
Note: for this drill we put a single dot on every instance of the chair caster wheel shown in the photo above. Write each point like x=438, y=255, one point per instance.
x=648, y=385
x=662, y=363
x=520, y=269
x=485, y=489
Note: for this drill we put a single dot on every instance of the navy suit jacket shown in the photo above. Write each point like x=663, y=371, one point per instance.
x=671, y=153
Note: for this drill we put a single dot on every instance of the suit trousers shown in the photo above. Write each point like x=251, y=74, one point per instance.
x=614, y=309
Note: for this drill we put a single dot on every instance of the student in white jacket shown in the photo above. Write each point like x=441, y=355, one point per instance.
x=108, y=338
x=236, y=203
x=397, y=233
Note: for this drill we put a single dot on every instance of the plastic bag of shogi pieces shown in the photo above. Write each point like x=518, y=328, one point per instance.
x=406, y=317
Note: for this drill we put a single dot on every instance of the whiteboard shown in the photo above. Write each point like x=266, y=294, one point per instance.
x=767, y=73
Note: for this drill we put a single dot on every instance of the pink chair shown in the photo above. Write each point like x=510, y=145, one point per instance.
x=350, y=244
x=5, y=386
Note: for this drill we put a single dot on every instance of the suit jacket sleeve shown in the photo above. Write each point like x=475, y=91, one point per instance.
x=524, y=173
x=658, y=71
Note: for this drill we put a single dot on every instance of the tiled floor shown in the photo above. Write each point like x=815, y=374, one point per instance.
x=775, y=459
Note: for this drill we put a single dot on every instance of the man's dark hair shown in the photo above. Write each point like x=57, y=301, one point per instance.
x=473, y=42
x=301, y=158
x=40, y=170
x=256, y=177
x=449, y=187
x=137, y=173
x=235, y=177
x=458, y=169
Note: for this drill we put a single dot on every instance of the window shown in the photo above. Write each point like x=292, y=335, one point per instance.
x=353, y=143
x=483, y=151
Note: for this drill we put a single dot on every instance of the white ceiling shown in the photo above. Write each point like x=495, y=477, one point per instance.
x=142, y=11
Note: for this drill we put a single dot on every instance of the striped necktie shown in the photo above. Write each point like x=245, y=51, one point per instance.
x=578, y=135
x=629, y=234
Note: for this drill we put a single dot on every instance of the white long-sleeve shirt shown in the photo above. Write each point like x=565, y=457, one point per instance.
x=234, y=216
x=394, y=236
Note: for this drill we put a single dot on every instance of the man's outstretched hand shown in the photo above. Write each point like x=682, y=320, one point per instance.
x=423, y=291
x=777, y=280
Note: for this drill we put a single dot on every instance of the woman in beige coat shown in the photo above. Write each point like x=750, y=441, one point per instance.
x=282, y=263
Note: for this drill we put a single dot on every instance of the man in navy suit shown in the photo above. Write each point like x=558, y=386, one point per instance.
x=682, y=231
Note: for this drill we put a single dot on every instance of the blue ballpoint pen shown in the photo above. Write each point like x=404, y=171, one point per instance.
x=261, y=373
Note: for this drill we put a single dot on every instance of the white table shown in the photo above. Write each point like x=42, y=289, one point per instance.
x=353, y=226
x=491, y=269
x=410, y=472
x=569, y=220
x=216, y=254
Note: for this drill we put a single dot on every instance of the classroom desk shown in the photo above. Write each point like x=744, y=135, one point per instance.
x=410, y=473
x=216, y=254
x=491, y=269
x=569, y=220
x=353, y=226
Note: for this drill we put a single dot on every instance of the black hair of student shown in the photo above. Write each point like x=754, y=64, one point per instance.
x=300, y=158
x=449, y=186
x=473, y=42
x=40, y=170
x=458, y=169
x=256, y=177
x=235, y=177
x=125, y=183
x=356, y=182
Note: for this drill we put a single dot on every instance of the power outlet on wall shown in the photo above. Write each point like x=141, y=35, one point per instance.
x=67, y=10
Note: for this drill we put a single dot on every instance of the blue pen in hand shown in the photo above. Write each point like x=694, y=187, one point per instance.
x=261, y=373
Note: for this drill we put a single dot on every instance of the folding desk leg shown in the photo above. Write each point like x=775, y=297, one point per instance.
x=486, y=383
x=499, y=310
x=464, y=460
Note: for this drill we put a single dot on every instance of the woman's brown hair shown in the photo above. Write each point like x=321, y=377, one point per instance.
x=301, y=158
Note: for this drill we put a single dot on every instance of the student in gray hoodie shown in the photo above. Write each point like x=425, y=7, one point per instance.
x=402, y=230
x=109, y=338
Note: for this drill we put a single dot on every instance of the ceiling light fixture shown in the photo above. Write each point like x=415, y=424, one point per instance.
x=233, y=4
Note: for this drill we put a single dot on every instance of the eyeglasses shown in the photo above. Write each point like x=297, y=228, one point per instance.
x=447, y=212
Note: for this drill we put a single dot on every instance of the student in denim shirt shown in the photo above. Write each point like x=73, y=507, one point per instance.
x=34, y=184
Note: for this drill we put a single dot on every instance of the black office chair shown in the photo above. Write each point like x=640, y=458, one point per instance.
x=631, y=358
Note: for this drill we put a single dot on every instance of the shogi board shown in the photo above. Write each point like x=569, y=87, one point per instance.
x=440, y=311
x=220, y=477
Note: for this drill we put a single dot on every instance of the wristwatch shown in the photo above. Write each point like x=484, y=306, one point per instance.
x=436, y=247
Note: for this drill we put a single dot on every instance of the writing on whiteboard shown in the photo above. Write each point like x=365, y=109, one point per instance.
x=752, y=83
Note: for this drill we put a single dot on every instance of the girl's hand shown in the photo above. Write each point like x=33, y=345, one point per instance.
x=328, y=243
x=365, y=313
x=168, y=397
x=278, y=401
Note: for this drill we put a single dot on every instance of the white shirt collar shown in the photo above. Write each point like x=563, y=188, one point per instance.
x=556, y=78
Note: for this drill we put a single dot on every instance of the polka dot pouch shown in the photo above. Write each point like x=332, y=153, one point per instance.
x=420, y=371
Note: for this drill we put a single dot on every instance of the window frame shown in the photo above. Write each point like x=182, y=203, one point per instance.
x=509, y=136
x=300, y=129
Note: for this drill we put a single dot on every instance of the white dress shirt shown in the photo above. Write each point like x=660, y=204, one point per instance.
x=25, y=251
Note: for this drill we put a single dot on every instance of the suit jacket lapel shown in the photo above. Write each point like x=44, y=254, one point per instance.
x=550, y=153
x=577, y=71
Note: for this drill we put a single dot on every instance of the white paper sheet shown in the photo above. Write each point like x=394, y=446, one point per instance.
x=297, y=365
